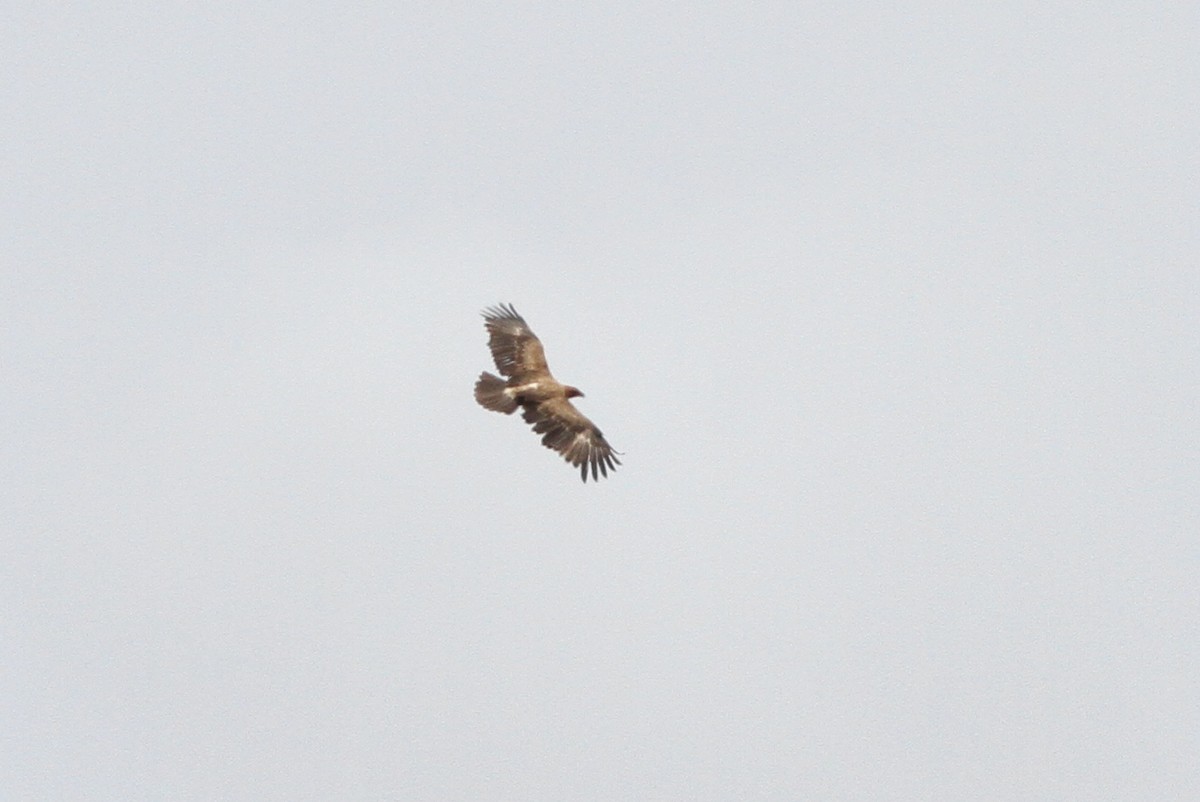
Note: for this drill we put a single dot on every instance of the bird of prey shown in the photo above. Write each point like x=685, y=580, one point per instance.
x=544, y=401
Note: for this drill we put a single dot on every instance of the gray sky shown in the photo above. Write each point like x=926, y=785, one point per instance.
x=893, y=312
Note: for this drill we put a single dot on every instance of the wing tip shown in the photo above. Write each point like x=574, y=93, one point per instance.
x=598, y=462
x=501, y=311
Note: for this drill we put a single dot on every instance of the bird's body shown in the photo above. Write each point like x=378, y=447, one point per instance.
x=544, y=401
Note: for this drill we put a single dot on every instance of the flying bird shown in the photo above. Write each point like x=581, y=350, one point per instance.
x=544, y=401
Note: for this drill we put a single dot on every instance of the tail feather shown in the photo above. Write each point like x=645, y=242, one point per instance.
x=489, y=392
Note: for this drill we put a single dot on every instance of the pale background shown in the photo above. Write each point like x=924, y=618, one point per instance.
x=894, y=311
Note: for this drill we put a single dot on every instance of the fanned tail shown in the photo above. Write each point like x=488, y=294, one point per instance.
x=489, y=392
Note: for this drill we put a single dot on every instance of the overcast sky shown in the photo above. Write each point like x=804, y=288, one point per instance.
x=893, y=310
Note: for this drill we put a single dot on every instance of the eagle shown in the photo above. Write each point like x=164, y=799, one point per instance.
x=544, y=401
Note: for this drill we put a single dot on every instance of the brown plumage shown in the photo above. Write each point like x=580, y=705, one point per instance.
x=544, y=401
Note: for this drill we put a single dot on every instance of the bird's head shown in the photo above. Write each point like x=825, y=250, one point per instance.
x=574, y=392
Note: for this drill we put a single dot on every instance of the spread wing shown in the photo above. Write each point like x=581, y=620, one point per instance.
x=515, y=347
x=566, y=430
